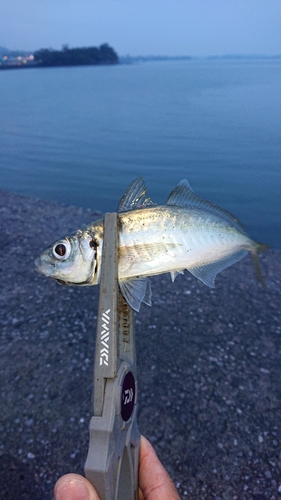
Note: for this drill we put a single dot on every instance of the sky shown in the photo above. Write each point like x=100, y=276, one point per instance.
x=144, y=27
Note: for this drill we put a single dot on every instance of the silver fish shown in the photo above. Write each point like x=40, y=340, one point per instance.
x=185, y=233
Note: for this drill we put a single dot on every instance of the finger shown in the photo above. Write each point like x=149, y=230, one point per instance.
x=155, y=482
x=74, y=487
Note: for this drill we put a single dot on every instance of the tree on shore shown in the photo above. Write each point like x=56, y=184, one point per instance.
x=77, y=56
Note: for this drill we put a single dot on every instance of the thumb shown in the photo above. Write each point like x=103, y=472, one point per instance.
x=155, y=482
x=74, y=487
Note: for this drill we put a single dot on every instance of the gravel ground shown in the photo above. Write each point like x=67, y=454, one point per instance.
x=208, y=362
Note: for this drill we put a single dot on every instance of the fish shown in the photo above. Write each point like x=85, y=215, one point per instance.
x=187, y=233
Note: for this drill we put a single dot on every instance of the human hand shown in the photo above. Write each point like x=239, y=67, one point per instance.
x=154, y=481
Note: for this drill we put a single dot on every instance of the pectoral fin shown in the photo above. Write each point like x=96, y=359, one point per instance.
x=145, y=251
x=136, y=291
x=208, y=272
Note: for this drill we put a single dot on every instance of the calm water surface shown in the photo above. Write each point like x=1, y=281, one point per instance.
x=81, y=135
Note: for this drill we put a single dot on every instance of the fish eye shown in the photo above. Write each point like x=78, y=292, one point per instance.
x=61, y=250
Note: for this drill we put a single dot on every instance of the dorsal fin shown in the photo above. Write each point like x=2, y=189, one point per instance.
x=135, y=197
x=183, y=195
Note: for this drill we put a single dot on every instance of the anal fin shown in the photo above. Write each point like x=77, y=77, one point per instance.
x=207, y=272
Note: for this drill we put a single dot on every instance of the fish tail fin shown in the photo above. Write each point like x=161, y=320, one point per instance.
x=259, y=247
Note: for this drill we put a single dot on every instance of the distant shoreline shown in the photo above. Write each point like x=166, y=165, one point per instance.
x=132, y=59
x=125, y=59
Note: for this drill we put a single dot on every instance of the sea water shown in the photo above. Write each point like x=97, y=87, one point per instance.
x=80, y=135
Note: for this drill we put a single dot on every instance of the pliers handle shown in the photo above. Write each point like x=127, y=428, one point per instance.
x=113, y=455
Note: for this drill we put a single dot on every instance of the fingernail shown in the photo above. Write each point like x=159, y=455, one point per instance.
x=72, y=490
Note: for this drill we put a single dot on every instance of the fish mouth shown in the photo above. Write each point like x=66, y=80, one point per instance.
x=38, y=265
x=47, y=272
x=43, y=268
x=60, y=282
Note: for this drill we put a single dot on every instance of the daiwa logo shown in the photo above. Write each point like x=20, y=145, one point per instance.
x=104, y=338
x=129, y=395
